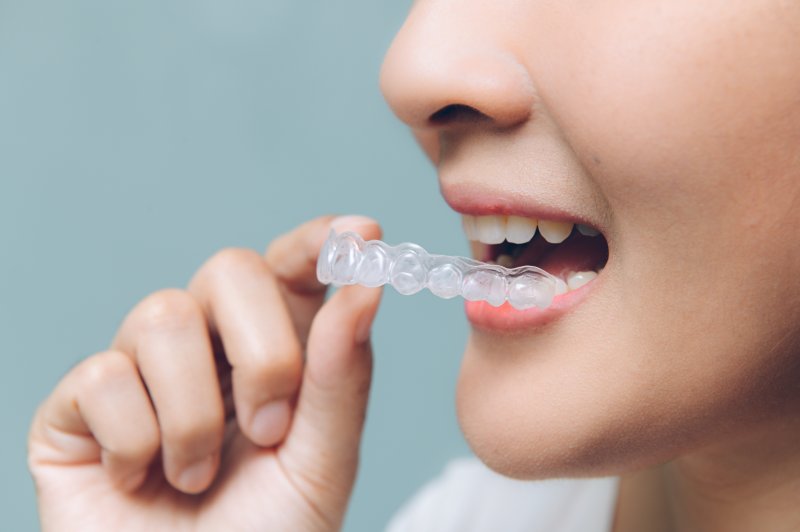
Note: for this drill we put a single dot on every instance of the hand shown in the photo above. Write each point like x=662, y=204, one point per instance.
x=236, y=404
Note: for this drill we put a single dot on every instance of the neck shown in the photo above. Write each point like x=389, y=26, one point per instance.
x=747, y=484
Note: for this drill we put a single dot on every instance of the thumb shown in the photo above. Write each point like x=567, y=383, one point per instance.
x=323, y=442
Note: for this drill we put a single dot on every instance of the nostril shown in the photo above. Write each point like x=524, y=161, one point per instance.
x=457, y=114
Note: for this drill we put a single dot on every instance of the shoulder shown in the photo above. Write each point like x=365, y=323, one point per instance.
x=469, y=497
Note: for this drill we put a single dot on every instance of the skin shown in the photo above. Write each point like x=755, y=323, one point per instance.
x=672, y=126
x=105, y=458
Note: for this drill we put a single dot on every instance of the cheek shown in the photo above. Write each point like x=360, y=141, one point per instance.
x=681, y=116
x=688, y=122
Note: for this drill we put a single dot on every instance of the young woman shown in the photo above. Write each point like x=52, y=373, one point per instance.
x=672, y=129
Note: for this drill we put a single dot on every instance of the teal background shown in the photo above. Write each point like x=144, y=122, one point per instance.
x=139, y=137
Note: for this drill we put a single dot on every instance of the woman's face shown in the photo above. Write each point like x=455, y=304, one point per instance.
x=673, y=127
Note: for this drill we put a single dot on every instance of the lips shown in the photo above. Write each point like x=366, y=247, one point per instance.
x=507, y=319
x=514, y=232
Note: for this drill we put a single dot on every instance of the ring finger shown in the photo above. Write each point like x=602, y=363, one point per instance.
x=168, y=338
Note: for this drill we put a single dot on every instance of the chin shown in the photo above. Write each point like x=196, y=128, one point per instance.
x=529, y=420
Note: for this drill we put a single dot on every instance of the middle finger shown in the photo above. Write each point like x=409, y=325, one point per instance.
x=245, y=307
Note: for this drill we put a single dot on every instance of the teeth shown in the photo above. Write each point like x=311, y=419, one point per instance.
x=468, y=222
x=554, y=232
x=576, y=280
x=491, y=229
x=585, y=230
x=520, y=230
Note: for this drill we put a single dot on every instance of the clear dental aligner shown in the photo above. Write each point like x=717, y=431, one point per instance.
x=346, y=259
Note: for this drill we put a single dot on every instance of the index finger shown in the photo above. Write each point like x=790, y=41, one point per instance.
x=292, y=259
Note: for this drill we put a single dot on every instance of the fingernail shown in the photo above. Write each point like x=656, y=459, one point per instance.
x=270, y=422
x=349, y=222
x=196, y=477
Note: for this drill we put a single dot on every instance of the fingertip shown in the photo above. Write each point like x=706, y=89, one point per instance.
x=197, y=477
x=367, y=227
x=292, y=258
x=270, y=423
x=264, y=394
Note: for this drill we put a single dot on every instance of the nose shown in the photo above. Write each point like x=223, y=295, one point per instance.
x=446, y=69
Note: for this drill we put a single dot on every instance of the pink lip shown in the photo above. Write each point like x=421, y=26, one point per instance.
x=478, y=201
x=507, y=319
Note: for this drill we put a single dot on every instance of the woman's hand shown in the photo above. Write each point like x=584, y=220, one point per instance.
x=236, y=404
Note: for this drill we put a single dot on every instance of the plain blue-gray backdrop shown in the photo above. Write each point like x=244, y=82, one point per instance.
x=139, y=137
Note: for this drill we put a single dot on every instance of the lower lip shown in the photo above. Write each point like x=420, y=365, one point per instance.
x=506, y=318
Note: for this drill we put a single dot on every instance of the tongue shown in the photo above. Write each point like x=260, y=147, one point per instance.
x=577, y=253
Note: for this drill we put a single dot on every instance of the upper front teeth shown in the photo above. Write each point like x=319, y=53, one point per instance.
x=517, y=229
x=490, y=229
x=520, y=230
x=555, y=232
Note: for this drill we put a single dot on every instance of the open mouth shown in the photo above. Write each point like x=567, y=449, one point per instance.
x=574, y=253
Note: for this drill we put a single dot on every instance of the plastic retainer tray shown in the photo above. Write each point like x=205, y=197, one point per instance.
x=346, y=259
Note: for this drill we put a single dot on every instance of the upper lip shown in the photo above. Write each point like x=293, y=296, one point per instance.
x=478, y=200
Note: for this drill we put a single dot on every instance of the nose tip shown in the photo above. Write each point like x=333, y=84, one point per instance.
x=430, y=81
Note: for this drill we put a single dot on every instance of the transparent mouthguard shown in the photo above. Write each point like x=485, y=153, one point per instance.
x=347, y=259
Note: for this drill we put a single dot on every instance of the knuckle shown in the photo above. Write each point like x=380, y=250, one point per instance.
x=168, y=308
x=292, y=239
x=274, y=247
x=229, y=261
x=103, y=367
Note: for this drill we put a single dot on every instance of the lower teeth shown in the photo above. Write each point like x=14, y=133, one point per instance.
x=576, y=280
x=569, y=281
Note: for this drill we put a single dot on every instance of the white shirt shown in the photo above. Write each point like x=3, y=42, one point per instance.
x=469, y=497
